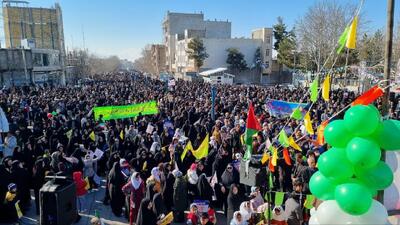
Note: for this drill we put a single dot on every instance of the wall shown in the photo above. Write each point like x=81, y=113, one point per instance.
x=217, y=29
x=37, y=23
x=216, y=49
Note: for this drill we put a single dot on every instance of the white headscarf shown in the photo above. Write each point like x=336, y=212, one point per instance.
x=136, y=182
x=155, y=172
x=192, y=175
x=281, y=217
x=245, y=211
x=235, y=221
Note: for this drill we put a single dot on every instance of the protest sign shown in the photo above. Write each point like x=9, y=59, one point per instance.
x=125, y=111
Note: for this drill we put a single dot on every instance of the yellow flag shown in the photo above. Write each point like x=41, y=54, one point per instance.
x=121, y=135
x=264, y=158
x=202, y=151
x=274, y=157
x=69, y=134
x=293, y=144
x=188, y=147
x=18, y=209
x=144, y=167
x=325, y=88
x=92, y=136
x=87, y=186
x=308, y=123
x=352, y=36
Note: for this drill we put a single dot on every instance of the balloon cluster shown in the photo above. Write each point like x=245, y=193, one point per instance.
x=351, y=172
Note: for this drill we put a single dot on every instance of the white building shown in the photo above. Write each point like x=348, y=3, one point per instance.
x=217, y=76
x=176, y=25
x=216, y=49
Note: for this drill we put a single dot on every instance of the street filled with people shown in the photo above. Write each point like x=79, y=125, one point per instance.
x=143, y=159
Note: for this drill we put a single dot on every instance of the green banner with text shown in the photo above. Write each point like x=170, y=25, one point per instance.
x=125, y=111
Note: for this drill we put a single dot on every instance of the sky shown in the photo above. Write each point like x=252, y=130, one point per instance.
x=124, y=27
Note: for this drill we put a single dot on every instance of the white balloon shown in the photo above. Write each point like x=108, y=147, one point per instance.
x=377, y=214
x=329, y=213
x=313, y=211
x=313, y=220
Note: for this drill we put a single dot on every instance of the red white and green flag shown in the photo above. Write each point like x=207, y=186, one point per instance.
x=252, y=127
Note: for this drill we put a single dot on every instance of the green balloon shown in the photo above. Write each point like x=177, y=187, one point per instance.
x=371, y=189
x=336, y=134
x=389, y=137
x=379, y=177
x=322, y=187
x=361, y=120
x=54, y=113
x=363, y=152
x=328, y=164
x=353, y=198
x=372, y=107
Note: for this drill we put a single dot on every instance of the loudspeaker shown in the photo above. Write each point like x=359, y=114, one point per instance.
x=251, y=173
x=58, y=202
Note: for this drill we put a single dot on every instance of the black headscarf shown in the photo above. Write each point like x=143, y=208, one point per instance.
x=230, y=177
x=146, y=216
x=204, y=188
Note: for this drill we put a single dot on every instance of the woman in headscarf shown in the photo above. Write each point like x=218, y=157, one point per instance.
x=168, y=188
x=229, y=176
x=180, y=196
x=245, y=211
x=237, y=219
x=192, y=182
x=278, y=216
x=155, y=179
x=233, y=202
x=136, y=189
x=146, y=215
x=116, y=182
x=158, y=206
x=22, y=180
x=205, y=191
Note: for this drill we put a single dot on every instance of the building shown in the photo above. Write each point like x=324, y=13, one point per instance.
x=177, y=25
x=40, y=30
x=216, y=49
x=217, y=76
x=158, y=58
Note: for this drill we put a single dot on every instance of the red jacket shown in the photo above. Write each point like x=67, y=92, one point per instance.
x=80, y=183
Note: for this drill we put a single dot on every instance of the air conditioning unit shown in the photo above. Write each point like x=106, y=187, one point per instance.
x=28, y=43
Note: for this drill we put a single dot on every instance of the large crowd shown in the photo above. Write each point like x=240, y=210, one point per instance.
x=52, y=131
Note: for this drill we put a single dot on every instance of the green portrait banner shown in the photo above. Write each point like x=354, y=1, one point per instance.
x=125, y=111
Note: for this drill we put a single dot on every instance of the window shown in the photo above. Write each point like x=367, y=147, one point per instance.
x=45, y=60
x=268, y=40
x=267, y=52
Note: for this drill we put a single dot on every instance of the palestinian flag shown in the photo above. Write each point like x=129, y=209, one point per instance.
x=252, y=127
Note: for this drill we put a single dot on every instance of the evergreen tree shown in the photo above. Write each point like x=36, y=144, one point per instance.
x=236, y=60
x=197, y=52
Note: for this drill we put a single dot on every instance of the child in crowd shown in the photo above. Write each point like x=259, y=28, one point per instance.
x=81, y=190
x=11, y=203
x=192, y=217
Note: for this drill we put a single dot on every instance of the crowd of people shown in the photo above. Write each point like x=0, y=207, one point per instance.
x=52, y=131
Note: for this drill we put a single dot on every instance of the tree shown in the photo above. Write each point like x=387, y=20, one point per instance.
x=285, y=43
x=279, y=32
x=197, y=52
x=257, y=59
x=371, y=48
x=236, y=60
x=144, y=63
x=319, y=29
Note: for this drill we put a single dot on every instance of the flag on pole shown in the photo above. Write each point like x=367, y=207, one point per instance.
x=252, y=127
x=308, y=204
x=314, y=90
x=264, y=158
x=326, y=87
x=286, y=157
x=202, y=150
x=279, y=196
x=283, y=139
x=121, y=135
x=293, y=144
x=296, y=114
x=92, y=136
x=369, y=96
x=320, y=133
x=308, y=123
x=342, y=40
x=188, y=147
x=274, y=156
x=352, y=36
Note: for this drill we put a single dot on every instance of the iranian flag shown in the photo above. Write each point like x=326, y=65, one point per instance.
x=252, y=127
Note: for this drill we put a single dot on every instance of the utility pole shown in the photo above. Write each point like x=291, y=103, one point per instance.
x=388, y=59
